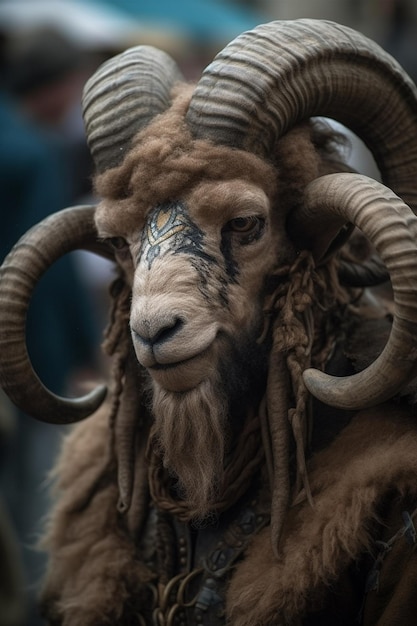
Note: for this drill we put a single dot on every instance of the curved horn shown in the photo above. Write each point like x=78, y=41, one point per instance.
x=391, y=226
x=269, y=79
x=58, y=234
x=122, y=97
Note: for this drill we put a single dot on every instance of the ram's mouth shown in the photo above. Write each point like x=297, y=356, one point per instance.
x=182, y=375
x=170, y=366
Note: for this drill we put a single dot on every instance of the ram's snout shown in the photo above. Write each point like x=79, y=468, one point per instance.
x=152, y=333
x=171, y=341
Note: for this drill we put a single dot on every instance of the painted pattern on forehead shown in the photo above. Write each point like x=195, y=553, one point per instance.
x=169, y=228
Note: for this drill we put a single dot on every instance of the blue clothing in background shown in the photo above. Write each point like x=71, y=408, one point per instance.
x=35, y=181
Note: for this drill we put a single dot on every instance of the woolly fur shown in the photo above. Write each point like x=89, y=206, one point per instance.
x=93, y=573
x=166, y=163
x=94, y=570
x=375, y=456
x=163, y=163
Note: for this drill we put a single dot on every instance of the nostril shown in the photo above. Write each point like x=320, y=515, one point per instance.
x=158, y=331
x=168, y=331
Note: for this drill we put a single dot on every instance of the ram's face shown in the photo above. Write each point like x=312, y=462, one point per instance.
x=200, y=264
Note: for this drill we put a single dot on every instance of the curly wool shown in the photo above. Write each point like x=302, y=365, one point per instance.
x=164, y=162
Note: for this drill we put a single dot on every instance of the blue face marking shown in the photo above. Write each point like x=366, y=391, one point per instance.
x=169, y=228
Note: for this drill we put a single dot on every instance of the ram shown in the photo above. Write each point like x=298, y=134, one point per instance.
x=259, y=444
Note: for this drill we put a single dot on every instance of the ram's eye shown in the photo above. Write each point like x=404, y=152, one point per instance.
x=243, y=224
x=245, y=230
x=118, y=243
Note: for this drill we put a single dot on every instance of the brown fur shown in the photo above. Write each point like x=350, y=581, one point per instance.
x=166, y=163
x=93, y=570
x=374, y=457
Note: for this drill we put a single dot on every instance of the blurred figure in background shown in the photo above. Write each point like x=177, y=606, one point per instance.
x=47, y=74
x=41, y=79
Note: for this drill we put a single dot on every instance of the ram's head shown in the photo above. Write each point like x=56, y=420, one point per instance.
x=210, y=193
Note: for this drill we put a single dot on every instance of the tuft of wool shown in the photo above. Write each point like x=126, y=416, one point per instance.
x=93, y=571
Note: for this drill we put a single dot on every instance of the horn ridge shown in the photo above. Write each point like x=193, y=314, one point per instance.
x=122, y=97
x=391, y=227
x=271, y=78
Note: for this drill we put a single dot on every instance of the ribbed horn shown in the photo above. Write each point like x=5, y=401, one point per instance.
x=391, y=227
x=270, y=78
x=122, y=97
x=35, y=252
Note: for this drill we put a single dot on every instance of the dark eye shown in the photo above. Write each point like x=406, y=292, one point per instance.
x=243, y=224
x=118, y=243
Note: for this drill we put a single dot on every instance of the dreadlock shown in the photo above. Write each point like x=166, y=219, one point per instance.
x=305, y=310
x=126, y=408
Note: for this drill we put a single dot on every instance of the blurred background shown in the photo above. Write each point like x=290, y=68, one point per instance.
x=48, y=49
